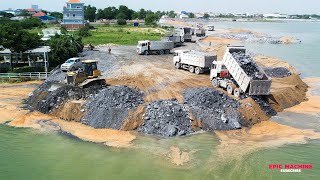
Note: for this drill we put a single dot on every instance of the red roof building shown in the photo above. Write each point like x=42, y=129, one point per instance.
x=31, y=10
x=39, y=14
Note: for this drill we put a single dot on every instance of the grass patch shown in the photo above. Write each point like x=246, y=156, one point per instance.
x=123, y=35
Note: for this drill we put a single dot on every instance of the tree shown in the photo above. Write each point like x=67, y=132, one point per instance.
x=57, y=15
x=110, y=12
x=126, y=11
x=84, y=32
x=151, y=19
x=135, y=15
x=121, y=22
x=6, y=15
x=142, y=14
x=191, y=15
x=172, y=14
x=64, y=47
x=30, y=23
x=90, y=13
x=121, y=16
x=24, y=13
x=100, y=14
x=13, y=37
x=206, y=16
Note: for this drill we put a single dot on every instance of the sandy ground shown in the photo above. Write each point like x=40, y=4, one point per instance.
x=267, y=134
x=312, y=105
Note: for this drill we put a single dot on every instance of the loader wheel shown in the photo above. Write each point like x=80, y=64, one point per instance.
x=191, y=69
x=161, y=52
x=146, y=53
x=178, y=65
x=236, y=92
x=197, y=70
x=215, y=83
x=229, y=89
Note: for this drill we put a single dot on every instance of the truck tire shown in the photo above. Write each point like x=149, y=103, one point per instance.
x=230, y=89
x=215, y=82
x=167, y=51
x=146, y=53
x=197, y=70
x=161, y=52
x=191, y=69
x=237, y=92
x=178, y=65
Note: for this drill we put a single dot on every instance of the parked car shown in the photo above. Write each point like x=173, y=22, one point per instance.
x=71, y=64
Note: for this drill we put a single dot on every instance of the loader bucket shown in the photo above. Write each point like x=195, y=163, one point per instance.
x=55, y=86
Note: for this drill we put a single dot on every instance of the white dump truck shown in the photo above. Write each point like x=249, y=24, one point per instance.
x=210, y=27
x=194, y=61
x=178, y=40
x=187, y=34
x=154, y=47
x=229, y=74
x=200, y=32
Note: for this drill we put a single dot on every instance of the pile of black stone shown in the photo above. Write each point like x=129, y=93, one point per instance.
x=166, y=118
x=110, y=107
x=57, y=75
x=248, y=65
x=215, y=109
x=44, y=100
x=264, y=105
x=278, y=72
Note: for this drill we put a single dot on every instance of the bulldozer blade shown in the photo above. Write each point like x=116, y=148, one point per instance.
x=55, y=86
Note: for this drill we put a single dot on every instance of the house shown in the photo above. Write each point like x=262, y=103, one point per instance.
x=39, y=14
x=182, y=16
x=73, y=15
x=31, y=11
x=275, y=15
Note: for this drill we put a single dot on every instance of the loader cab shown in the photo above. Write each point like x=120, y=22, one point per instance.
x=218, y=69
x=90, y=68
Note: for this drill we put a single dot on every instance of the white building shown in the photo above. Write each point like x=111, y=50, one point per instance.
x=275, y=15
x=182, y=16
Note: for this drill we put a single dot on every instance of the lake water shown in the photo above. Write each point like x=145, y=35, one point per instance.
x=30, y=154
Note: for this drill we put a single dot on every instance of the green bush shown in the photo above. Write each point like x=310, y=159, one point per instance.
x=121, y=22
x=84, y=32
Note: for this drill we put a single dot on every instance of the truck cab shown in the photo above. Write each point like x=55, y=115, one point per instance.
x=218, y=70
x=142, y=46
x=177, y=56
x=210, y=27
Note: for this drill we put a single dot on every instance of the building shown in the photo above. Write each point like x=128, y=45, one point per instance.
x=36, y=8
x=275, y=15
x=73, y=15
x=39, y=14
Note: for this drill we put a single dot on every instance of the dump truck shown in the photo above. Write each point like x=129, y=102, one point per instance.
x=187, y=34
x=154, y=47
x=87, y=75
x=199, y=32
x=178, y=40
x=210, y=27
x=194, y=61
x=229, y=74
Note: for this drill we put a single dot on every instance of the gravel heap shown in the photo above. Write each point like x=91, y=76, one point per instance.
x=110, y=107
x=264, y=105
x=57, y=75
x=248, y=65
x=278, y=72
x=252, y=38
x=166, y=118
x=215, y=109
x=45, y=101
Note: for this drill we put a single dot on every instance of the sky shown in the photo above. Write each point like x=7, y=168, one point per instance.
x=218, y=6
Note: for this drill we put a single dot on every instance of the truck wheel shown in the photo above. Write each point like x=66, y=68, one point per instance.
x=167, y=51
x=215, y=83
x=236, y=92
x=197, y=70
x=161, y=52
x=178, y=65
x=191, y=69
x=229, y=89
x=146, y=53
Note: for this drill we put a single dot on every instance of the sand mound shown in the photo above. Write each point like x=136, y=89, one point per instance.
x=287, y=92
x=268, y=62
x=251, y=113
x=70, y=111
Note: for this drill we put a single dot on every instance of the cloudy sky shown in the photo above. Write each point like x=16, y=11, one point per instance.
x=233, y=6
